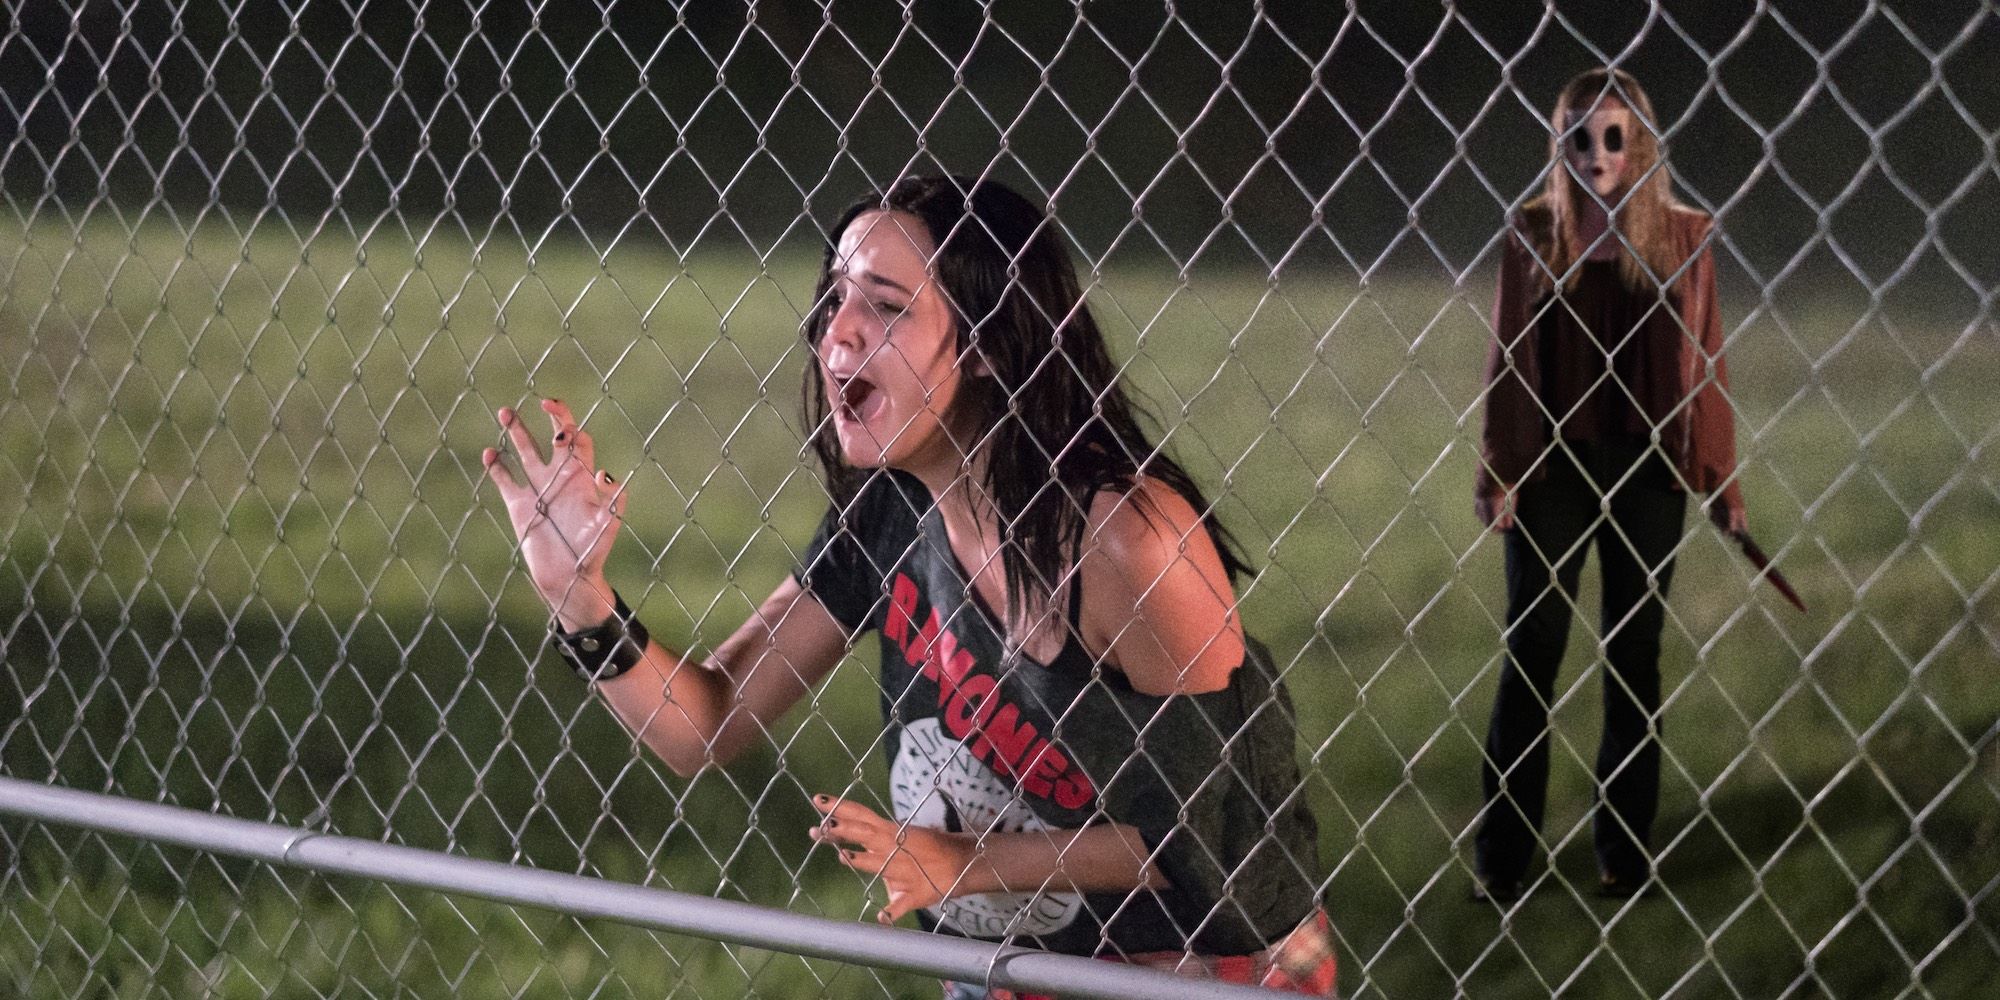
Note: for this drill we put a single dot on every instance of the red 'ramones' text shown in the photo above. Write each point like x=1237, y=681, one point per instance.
x=973, y=710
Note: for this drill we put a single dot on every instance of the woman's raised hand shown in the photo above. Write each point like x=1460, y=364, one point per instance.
x=566, y=514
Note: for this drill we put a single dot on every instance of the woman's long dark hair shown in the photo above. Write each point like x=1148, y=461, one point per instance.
x=1059, y=427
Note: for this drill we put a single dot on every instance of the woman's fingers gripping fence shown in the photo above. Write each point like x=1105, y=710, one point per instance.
x=569, y=439
x=916, y=865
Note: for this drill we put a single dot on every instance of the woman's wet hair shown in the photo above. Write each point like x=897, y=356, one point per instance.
x=1045, y=404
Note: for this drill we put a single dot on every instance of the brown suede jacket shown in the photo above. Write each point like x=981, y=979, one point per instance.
x=1700, y=437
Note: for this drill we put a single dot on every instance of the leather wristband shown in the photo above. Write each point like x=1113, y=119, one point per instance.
x=604, y=652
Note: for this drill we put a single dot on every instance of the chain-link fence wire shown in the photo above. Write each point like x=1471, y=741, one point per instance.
x=269, y=269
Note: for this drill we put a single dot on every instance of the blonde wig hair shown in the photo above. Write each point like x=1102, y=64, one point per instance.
x=1641, y=214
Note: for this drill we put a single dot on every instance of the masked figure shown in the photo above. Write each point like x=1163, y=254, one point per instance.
x=1606, y=404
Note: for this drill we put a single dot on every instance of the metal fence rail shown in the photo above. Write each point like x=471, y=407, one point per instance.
x=997, y=965
x=267, y=271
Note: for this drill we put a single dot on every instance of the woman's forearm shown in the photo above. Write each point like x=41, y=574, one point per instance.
x=676, y=707
x=1109, y=857
x=673, y=706
x=693, y=712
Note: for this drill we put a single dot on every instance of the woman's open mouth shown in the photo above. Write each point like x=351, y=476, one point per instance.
x=860, y=400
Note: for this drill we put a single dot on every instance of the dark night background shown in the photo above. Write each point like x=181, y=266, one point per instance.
x=1304, y=136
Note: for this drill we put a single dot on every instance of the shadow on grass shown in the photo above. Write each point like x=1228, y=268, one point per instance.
x=416, y=730
x=1790, y=877
x=1839, y=881
x=407, y=729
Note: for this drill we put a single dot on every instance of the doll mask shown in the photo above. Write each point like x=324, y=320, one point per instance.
x=1594, y=146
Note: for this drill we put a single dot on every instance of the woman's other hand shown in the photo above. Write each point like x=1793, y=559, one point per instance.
x=566, y=514
x=920, y=866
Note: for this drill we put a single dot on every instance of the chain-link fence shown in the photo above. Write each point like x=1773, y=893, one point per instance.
x=270, y=269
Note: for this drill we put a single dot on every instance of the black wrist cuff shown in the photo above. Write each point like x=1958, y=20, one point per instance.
x=604, y=652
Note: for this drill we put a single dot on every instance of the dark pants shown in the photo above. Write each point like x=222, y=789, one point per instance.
x=1557, y=518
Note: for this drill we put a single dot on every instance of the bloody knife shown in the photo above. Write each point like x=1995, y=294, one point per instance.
x=1763, y=563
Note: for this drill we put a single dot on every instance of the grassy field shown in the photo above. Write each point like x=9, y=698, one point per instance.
x=256, y=571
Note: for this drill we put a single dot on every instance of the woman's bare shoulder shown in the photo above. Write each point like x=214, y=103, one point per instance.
x=1158, y=601
x=1146, y=517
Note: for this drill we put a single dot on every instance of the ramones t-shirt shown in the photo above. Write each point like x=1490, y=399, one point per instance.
x=982, y=739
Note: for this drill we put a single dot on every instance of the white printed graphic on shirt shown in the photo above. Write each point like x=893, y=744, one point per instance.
x=934, y=777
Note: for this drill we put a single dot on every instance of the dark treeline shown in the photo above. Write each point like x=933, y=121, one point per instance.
x=1358, y=136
